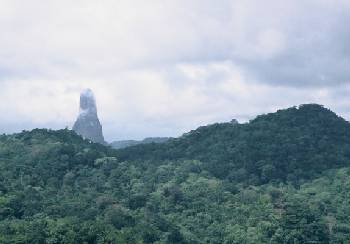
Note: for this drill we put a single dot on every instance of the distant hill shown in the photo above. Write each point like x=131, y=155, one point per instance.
x=128, y=143
x=291, y=144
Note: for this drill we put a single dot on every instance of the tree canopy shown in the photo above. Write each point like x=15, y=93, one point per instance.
x=281, y=178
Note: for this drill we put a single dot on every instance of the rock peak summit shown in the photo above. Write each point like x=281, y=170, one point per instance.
x=87, y=103
x=88, y=125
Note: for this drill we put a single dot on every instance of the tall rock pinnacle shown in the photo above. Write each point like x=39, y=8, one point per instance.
x=88, y=124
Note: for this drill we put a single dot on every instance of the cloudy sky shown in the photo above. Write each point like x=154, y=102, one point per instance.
x=163, y=67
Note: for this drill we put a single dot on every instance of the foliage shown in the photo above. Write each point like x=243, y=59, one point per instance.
x=290, y=145
x=56, y=187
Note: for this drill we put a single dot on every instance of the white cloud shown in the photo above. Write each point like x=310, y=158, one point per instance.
x=162, y=67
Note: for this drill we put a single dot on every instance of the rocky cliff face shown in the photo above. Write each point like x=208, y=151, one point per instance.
x=88, y=124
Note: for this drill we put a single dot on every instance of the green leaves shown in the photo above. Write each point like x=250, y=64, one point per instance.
x=274, y=180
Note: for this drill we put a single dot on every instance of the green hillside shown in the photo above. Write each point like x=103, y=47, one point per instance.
x=291, y=144
x=281, y=178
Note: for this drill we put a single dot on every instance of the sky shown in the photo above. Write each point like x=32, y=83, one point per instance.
x=164, y=67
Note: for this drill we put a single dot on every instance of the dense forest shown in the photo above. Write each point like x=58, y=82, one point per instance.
x=292, y=144
x=281, y=178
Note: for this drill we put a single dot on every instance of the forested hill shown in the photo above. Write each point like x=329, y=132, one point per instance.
x=74, y=151
x=291, y=144
x=56, y=188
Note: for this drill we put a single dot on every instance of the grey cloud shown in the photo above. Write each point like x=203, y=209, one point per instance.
x=160, y=68
x=314, y=51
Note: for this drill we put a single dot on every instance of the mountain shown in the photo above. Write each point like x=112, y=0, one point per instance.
x=57, y=187
x=128, y=143
x=87, y=124
x=291, y=144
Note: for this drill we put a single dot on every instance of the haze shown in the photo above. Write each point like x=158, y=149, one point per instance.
x=161, y=68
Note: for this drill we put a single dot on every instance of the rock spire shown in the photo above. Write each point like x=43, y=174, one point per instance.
x=88, y=124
